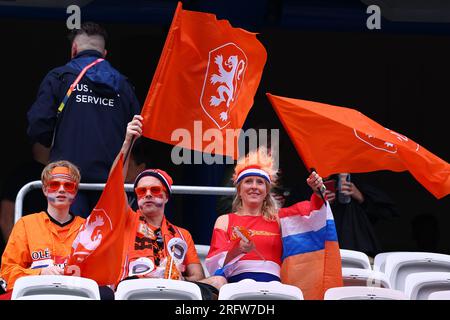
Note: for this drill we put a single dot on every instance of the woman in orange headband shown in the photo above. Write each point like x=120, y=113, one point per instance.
x=40, y=243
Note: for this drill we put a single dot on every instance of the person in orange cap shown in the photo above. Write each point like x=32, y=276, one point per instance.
x=154, y=247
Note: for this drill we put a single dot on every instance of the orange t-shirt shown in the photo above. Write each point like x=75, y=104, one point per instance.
x=37, y=241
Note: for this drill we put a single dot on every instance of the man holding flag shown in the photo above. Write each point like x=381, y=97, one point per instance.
x=145, y=244
x=208, y=72
x=154, y=247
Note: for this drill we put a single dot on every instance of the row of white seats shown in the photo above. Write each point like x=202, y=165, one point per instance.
x=359, y=260
x=163, y=289
x=56, y=287
x=76, y=288
x=415, y=273
x=418, y=285
x=390, y=270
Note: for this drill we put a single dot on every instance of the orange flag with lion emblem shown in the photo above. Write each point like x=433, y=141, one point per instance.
x=206, y=78
x=97, y=250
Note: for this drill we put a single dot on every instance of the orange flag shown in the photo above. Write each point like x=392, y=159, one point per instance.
x=206, y=78
x=97, y=250
x=335, y=139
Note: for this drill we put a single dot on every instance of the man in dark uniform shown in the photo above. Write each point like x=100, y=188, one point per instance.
x=88, y=128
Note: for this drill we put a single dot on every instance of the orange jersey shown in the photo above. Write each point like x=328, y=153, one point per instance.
x=36, y=242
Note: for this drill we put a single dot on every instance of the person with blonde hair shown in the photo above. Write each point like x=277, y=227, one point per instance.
x=40, y=243
x=247, y=244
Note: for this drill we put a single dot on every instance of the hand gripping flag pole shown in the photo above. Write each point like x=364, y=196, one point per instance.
x=322, y=188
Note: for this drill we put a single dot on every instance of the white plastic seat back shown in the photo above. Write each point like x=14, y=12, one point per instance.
x=202, y=251
x=419, y=286
x=52, y=297
x=379, y=262
x=44, y=286
x=440, y=295
x=157, y=289
x=250, y=289
x=364, y=277
x=400, y=264
x=363, y=293
x=354, y=259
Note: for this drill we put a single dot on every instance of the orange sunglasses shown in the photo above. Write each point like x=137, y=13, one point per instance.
x=154, y=190
x=54, y=185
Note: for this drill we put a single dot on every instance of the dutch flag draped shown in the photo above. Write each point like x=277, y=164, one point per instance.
x=311, y=257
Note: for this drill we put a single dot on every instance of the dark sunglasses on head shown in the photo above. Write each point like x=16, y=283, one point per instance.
x=154, y=190
x=68, y=186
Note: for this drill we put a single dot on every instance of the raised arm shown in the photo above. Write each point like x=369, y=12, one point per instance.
x=315, y=182
x=134, y=131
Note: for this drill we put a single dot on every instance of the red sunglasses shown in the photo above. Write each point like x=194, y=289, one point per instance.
x=54, y=185
x=154, y=190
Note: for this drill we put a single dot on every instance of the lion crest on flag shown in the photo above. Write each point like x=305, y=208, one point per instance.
x=224, y=75
x=375, y=142
x=91, y=234
x=385, y=145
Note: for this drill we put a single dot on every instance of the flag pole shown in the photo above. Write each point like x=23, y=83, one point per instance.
x=171, y=264
x=129, y=149
x=297, y=147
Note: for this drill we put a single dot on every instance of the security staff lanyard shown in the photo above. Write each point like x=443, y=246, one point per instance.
x=74, y=84
x=69, y=92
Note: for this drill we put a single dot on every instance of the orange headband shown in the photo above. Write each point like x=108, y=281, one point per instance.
x=61, y=172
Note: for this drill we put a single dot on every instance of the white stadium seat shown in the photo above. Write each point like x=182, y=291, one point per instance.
x=157, y=289
x=440, y=295
x=400, y=264
x=202, y=251
x=363, y=293
x=364, y=277
x=52, y=297
x=57, y=287
x=379, y=262
x=250, y=289
x=419, y=286
x=354, y=259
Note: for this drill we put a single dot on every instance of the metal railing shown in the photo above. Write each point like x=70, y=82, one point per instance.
x=200, y=190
